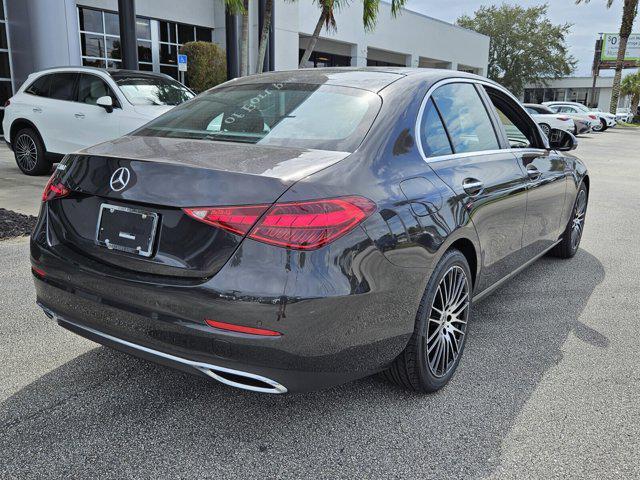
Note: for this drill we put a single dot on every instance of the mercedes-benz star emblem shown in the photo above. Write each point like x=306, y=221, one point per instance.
x=120, y=179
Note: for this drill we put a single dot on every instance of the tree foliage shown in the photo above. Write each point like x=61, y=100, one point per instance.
x=328, y=20
x=207, y=65
x=525, y=46
x=630, y=85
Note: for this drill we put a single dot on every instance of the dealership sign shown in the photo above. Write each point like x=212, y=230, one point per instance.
x=611, y=43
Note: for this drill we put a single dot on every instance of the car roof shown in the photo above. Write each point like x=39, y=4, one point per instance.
x=564, y=102
x=366, y=78
x=120, y=73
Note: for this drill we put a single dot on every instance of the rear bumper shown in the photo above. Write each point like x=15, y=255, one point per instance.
x=262, y=364
x=335, y=332
x=227, y=376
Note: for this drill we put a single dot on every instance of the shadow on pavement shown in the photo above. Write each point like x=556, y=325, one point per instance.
x=105, y=413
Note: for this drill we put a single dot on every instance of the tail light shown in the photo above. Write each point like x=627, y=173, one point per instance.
x=54, y=189
x=593, y=117
x=563, y=118
x=306, y=225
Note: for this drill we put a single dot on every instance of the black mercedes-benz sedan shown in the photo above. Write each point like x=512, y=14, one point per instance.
x=296, y=230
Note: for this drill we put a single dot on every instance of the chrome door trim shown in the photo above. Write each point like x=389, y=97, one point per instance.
x=451, y=156
x=483, y=294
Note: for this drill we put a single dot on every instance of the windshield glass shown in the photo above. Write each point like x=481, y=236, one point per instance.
x=153, y=90
x=297, y=115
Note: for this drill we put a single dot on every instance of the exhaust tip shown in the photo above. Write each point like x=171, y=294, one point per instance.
x=243, y=380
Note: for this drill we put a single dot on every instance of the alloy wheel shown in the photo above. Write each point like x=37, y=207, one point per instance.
x=26, y=152
x=447, y=323
x=577, y=225
x=545, y=129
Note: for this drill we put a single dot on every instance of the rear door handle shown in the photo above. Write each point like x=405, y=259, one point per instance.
x=533, y=172
x=37, y=110
x=472, y=186
x=79, y=115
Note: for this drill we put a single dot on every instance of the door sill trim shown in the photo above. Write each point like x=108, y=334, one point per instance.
x=485, y=293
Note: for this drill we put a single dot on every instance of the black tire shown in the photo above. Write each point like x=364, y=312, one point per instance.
x=569, y=245
x=575, y=131
x=413, y=368
x=30, y=153
x=604, y=125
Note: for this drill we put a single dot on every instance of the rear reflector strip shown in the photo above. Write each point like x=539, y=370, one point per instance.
x=242, y=329
x=38, y=272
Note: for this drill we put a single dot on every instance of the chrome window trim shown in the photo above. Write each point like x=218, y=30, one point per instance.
x=452, y=156
x=480, y=153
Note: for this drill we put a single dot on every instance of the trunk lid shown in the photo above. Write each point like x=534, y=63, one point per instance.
x=163, y=176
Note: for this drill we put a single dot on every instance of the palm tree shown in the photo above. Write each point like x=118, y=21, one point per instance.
x=327, y=19
x=630, y=85
x=264, y=35
x=244, y=43
x=240, y=7
x=629, y=11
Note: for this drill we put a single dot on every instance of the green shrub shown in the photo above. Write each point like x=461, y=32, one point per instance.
x=206, y=65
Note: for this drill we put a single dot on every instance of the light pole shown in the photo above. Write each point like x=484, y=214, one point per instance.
x=128, y=37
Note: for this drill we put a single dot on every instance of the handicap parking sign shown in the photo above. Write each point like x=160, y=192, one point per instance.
x=182, y=63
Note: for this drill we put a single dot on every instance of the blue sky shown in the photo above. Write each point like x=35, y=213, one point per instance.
x=587, y=19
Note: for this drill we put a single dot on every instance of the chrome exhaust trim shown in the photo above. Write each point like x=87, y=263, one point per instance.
x=213, y=371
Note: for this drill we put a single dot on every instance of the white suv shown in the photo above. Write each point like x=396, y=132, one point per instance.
x=61, y=110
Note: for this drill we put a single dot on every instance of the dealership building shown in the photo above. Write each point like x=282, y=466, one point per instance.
x=575, y=89
x=38, y=34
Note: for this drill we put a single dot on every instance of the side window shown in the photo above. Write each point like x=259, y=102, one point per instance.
x=517, y=138
x=40, y=87
x=432, y=133
x=520, y=129
x=61, y=86
x=91, y=88
x=465, y=118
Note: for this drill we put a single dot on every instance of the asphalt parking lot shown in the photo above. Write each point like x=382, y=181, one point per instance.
x=549, y=386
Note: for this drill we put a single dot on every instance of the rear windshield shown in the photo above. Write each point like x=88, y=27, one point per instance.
x=153, y=91
x=281, y=114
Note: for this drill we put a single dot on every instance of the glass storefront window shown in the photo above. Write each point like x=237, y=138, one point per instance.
x=381, y=63
x=90, y=20
x=111, y=24
x=323, y=59
x=143, y=29
x=100, y=41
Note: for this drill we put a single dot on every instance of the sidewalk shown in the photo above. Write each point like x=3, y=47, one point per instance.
x=18, y=192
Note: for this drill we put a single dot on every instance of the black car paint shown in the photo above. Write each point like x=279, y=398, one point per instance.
x=345, y=310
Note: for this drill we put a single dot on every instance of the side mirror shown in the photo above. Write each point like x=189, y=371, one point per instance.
x=562, y=141
x=106, y=102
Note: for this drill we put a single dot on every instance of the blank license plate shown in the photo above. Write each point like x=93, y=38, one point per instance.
x=126, y=229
